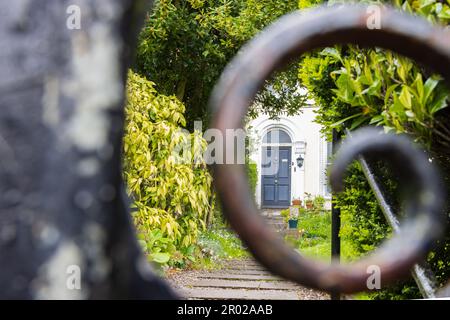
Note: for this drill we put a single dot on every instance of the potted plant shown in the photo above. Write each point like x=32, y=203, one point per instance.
x=296, y=202
x=293, y=217
x=293, y=223
x=309, y=201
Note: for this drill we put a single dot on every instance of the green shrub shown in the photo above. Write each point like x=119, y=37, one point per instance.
x=171, y=198
x=315, y=234
x=356, y=87
x=363, y=222
x=185, y=45
x=252, y=174
x=318, y=204
x=219, y=243
x=315, y=225
x=285, y=214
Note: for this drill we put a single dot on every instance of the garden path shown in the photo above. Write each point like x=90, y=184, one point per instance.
x=242, y=279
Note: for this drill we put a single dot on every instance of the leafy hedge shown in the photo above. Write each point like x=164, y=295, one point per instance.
x=172, y=199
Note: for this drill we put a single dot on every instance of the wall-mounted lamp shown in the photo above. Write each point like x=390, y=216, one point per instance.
x=300, y=161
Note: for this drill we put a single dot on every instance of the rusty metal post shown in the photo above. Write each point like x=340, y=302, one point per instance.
x=335, y=223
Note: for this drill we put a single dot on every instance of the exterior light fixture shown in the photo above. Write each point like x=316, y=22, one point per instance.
x=300, y=161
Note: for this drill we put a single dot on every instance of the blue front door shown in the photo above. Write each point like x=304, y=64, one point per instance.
x=276, y=177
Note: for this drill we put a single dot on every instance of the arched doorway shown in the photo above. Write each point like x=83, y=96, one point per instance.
x=276, y=169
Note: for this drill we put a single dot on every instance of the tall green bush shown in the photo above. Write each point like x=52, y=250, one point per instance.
x=377, y=87
x=171, y=198
x=356, y=87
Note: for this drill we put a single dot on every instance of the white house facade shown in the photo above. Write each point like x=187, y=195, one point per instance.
x=291, y=156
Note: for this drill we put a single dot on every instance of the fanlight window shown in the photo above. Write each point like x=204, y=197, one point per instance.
x=276, y=136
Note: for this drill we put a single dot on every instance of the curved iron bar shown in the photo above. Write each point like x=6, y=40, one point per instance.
x=290, y=37
x=422, y=275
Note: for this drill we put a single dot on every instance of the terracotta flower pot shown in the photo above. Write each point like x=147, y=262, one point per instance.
x=297, y=202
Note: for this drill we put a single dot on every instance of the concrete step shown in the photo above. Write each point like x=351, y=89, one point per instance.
x=231, y=276
x=248, y=272
x=245, y=268
x=259, y=268
x=269, y=213
x=276, y=223
x=276, y=218
x=219, y=283
x=242, y=279
x=238, y=294
x=244, y=262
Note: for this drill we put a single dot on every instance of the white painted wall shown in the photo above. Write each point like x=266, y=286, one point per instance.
x=307, y=141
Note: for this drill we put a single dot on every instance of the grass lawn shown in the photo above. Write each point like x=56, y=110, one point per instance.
x=218, y=245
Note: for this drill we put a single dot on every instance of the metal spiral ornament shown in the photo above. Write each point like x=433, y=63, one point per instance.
x=290, y=37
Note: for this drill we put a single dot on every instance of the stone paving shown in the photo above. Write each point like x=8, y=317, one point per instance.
x=242, y=279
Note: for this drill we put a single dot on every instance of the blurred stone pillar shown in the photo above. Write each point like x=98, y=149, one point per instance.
x=63, y=211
